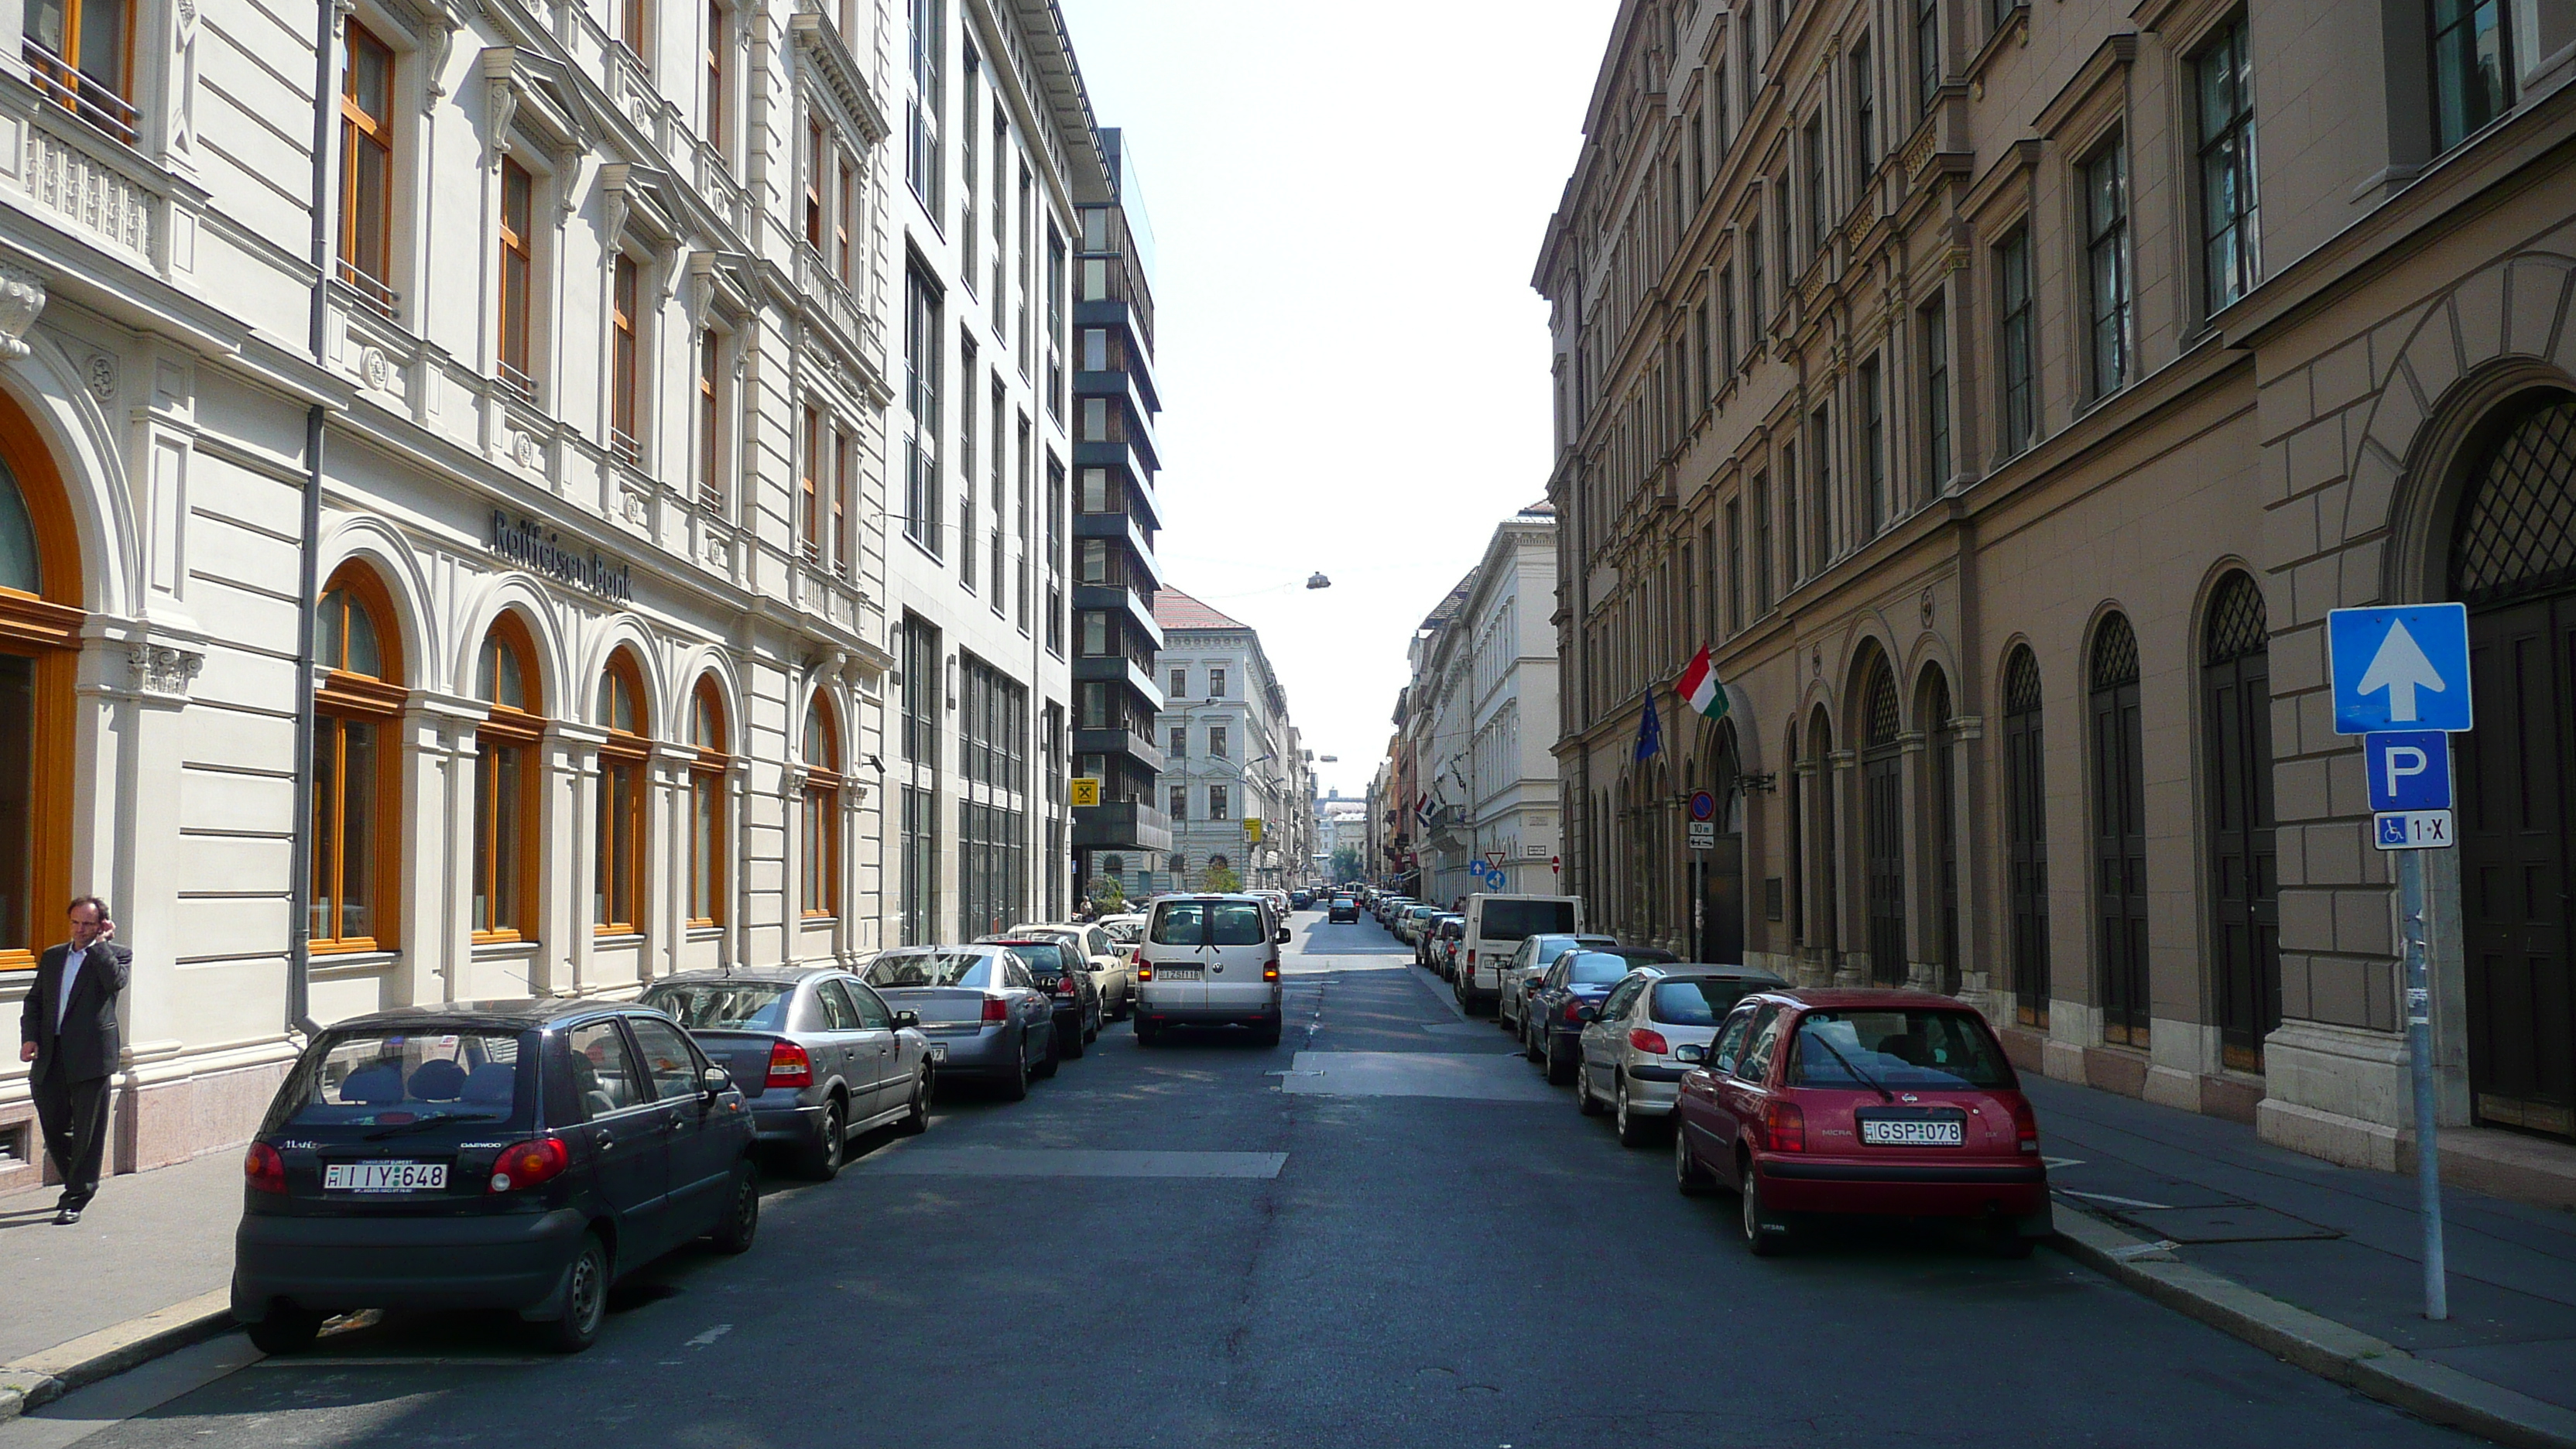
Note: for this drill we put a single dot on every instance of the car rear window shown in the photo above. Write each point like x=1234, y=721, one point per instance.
x=1044, y=956
x=1515, y=920
x=1236, y=923
x=1180, y=923
x=1595, y=968
x=380, y=1077
x=931, y=968
x=1697, y=1003
x=724, y=1005
x=1943, y=1050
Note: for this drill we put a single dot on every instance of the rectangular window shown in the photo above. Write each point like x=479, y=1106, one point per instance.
x=1814, y=144
x=2106, y=255
x=1761, y=544
x=1218, y=745
x=923, y=160
x=630, y=30
x=1873, y=456
x=1218, y=807
x=1864, y=82
x=624, y=361
x=1707, y=358
x=2016, y=369
x=1180, y=803
x=966, y=519
x=969, y=78
x=617, y=857
x=1216, y=683
x=518, y=271
x=1180, y=683
x=844, y=203
x=2472, y=67
x=1734, y=565
x=2223, y=75
x=809, y=489
x=716, y=41
x=1927, y=53
x=1753, y=292
x=1726, y=320
x=366, y=169
x=1180, y=749
x=711, y=491
x=1055, y=501
x=923, y=336
x=844, y=475
x=1789, y=521
x=1936, y=399
x=78, y=53
x=1820, y=453
x=814, y=182
x=1055, y=282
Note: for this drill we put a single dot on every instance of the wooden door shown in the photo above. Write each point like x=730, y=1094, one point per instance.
x=2244, y=887
x=2026, y=839
x=2119, y=835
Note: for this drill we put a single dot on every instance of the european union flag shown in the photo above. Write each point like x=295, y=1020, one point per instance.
x=1650, y=731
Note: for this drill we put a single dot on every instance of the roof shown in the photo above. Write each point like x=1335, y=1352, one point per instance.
x=1176, y=610
x=514, y=1013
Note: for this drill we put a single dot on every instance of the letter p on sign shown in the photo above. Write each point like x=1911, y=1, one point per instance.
x=2409, y=770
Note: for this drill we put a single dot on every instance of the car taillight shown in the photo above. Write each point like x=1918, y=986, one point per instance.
x=1784, y=1126
x=1064, y=984
x=264, y=1169
x=525, y=1164
x=1649, y=1041
x=1573, y=1009
x=789, y=1066
x=1471, y=959
x=1144, y=970
x=2025, y=1124
x=996, y=1009
x=1270, y=969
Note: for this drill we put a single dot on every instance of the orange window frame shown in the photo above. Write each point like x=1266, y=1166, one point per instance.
x=625, y=360
x=45, y=627
x=809, y=516
x=814, y=184
x=821, y=852
x=707, y=775
x=715, y=75
x=710, y=421
x=841, y=219
x=361, y=699
x=364, y=263
x=617, y=888
x=841, y=451
x=514, y=730
x=518, y=268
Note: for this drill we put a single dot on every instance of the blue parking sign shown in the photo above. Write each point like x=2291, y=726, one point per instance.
x=2409, y=770
x=2400, y=668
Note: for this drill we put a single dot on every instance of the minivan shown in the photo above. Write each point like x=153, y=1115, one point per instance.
x=1496, y=926
x=1209, y=960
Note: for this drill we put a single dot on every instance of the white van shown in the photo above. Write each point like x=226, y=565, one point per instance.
x=1496, y=926
x=1210, y=960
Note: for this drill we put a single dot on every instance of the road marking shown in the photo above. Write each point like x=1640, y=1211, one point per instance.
x=708, y=1338
x=1066, y=1162
x=398, y=1360
x=1483, y=1077
x=2120, y=1201
x=2054, y=1163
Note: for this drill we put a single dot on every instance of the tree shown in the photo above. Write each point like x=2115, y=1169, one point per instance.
x=1107, y=896
x=1346, y=864
x=1220, y=879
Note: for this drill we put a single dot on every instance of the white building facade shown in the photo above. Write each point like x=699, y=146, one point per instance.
x=1231, y=757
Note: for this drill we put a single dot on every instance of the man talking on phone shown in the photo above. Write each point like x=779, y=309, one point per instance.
x=68, y=1029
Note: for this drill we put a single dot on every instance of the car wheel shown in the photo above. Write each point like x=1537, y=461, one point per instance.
x=1015, y=1087
x=1689, y=1178
x=822, y=1157
x=1054, y=1058
x=1766, y=1233
x=1529, y=1040
x=916, y=1118
x=1093, y=1034
x=1070, y=1044
x=1561, y=1066
x=1634, y=1131
x=286, y=1329
x=1584, y=1101
x=741, y=1221
x=585, y=1298
x=2006, y=1242
x=1266, y=1035
x=1145, y=1032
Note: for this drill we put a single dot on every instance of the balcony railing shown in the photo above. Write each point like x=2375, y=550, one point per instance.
x=84, y=96
x=372, y=291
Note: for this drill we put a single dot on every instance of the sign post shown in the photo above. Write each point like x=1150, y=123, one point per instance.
x=2401, y=681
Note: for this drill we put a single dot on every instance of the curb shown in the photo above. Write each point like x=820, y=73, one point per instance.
x=2323, y=1347
x=41, y=1378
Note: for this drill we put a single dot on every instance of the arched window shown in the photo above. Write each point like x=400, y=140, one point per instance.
x=2026, y=837
x=2119, y=834
x=40, y=630
x=357, y=786
x=1882, y=793
x=707, y=774
x=617, y=863
x=822, y=838
x=506, y=783
x=2245, y=930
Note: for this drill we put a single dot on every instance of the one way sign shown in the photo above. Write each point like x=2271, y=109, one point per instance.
x=2403, y=668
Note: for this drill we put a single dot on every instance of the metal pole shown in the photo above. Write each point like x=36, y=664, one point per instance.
x=2419, y=1055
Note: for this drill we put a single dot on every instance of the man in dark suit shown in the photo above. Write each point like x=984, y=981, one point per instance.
x=68, y=1029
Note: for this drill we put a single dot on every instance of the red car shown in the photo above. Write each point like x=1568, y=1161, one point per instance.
x=1875, y=1102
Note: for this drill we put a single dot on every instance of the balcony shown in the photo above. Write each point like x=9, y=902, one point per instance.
x=1122, y=825
x=1125, y=743
x=1136, y=459
x=1140, y=615
x=1144, y=571
x=1128, y=383
x=1119, y=669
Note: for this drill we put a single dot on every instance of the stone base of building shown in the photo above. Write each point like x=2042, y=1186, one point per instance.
x=158, y=1114
x=2336, y=1092
x=2169, y=1074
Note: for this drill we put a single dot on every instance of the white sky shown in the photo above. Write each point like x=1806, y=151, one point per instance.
x=1347, y=199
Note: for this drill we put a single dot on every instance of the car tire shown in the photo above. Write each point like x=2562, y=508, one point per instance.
x=740, y=1224
x=1097, y=1018
x=1146, y=1032
x=1766, y=1233
x=1266, y=1036
x=585, y=1298
x=916, y=1117
x=1054, y=1058
x=822, y=1157
x=1689, y=1178
x=1634, y=1131
x=2005, y=1241
x=1561, y=1067
x=1584, y=1101
x=1015, y=1087
x=1530, y=1048
x=1073, y=1044
x=286, y=1329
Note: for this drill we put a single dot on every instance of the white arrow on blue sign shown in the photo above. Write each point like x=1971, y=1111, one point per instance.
x=2400, y=668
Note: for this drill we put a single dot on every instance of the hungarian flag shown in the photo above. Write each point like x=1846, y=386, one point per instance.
x=1699, y=688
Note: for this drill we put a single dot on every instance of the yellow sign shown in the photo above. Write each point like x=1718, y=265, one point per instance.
x=1252, y=828
x=1086, y=792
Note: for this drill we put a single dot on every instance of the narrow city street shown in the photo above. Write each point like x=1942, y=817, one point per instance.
x=1209, y=1244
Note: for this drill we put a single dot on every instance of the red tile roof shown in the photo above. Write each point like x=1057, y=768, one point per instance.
x=1176, y=610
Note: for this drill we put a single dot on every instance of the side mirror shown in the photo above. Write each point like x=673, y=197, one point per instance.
x=713, y=1082
x=1587, y=1013
x=903, y=1019
x=1282, y=938
x=1690, y=1053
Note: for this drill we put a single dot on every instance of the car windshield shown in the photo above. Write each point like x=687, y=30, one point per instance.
x=724, y=1005
x=395, y=1077
x=932, y=968
x=1927, y=1047
x=1515, y=920
x=1698, y=1002
x=1595, y=968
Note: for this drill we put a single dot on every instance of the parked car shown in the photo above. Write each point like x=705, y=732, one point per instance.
x=1496, y=925
x=1429, y=949
x=1342, y=909
x=817, y=1055
x=1631, y=1055
x=1409, y=925
x=1578, y=980
x=1125, y=931
x=1868, y=1101
x=1055, y=963
x=1210, y=960
x=1447, y=937
x=1113, y=973
x=979, y=1007
x=1387, y=906
x=500, y=1154
x=1529, y=961
x=1301, y=900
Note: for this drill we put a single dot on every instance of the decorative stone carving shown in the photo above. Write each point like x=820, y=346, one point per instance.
x=98, y=374
x=523, y=449
x=375, y=368
x=1927, y=608
x=22, y=296
x=715, y=550
x=631, y=506
x=161, y=669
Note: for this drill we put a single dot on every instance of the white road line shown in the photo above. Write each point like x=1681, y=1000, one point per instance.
x=2120, y=1201
x=708, y=1338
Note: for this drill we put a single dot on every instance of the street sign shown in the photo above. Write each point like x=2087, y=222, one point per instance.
x=2412, y=830
x=2401, y=668
x=1086, y=792
x=1252, y=828
x=1703, y=835
x=2408, y=770
x=1703, y=806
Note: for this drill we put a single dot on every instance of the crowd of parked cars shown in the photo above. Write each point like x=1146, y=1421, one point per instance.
x=1802, y=1102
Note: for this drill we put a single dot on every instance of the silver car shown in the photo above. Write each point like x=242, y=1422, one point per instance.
x=1113, y=973
x=1655, y=1025
x=982, y=1012
x=1408, y=922
x=818, y=1055
x=1530, y=962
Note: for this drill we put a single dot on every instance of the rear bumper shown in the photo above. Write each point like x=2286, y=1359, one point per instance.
x=785, y=1120
x=2013, y=1190
x=986, y=1052
x=1208, y=1015
x=337, y=1265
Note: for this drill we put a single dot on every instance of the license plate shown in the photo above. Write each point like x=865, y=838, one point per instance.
x=384, y=1177
x=939, y=1051
x=1178, y=973
x=1934, y=1132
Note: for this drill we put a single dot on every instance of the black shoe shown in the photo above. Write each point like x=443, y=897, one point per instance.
x=66, y=1217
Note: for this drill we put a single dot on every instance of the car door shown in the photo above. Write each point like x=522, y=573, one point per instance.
x=1239, y=946
x=1109, y=967
x=871, y=1047
x=900, y=1059
x=830, y=1033
x=1604, y=1036
x=1032, y=1008
x=699, y=1153
x=1698, y=1109
x=1742, y=1092
x=623, y=1121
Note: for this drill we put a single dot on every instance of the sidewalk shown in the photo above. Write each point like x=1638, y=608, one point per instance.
x=2340, y=1243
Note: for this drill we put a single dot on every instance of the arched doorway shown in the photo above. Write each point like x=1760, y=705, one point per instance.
x=1882, y=789
x=2026, y=838
x=1941, y=821
x=1721, y=895
x=1823, y=915
x=2120, y=834
x=2245, y=925
x=40, y=629
x=2513, y=562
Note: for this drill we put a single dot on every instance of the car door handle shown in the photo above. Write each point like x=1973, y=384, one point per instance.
x=606, y=1142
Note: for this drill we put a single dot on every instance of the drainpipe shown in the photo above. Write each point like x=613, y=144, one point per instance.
x=299, y=895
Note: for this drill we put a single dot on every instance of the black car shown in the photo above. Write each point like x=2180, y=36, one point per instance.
x=1555, y=1018
x=1058, y=968
x=1342, y=909
x=1301, y=900
x=500, y=1154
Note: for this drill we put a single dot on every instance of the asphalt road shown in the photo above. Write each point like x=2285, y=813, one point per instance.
x=1186, y=1246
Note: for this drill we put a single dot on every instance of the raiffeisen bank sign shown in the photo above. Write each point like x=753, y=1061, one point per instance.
x=531, y=544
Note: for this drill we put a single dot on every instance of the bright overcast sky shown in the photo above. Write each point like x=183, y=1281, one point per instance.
x=1347, y=198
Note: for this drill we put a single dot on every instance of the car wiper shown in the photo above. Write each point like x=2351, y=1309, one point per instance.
x=434, y=1119
x=1872, y=1082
